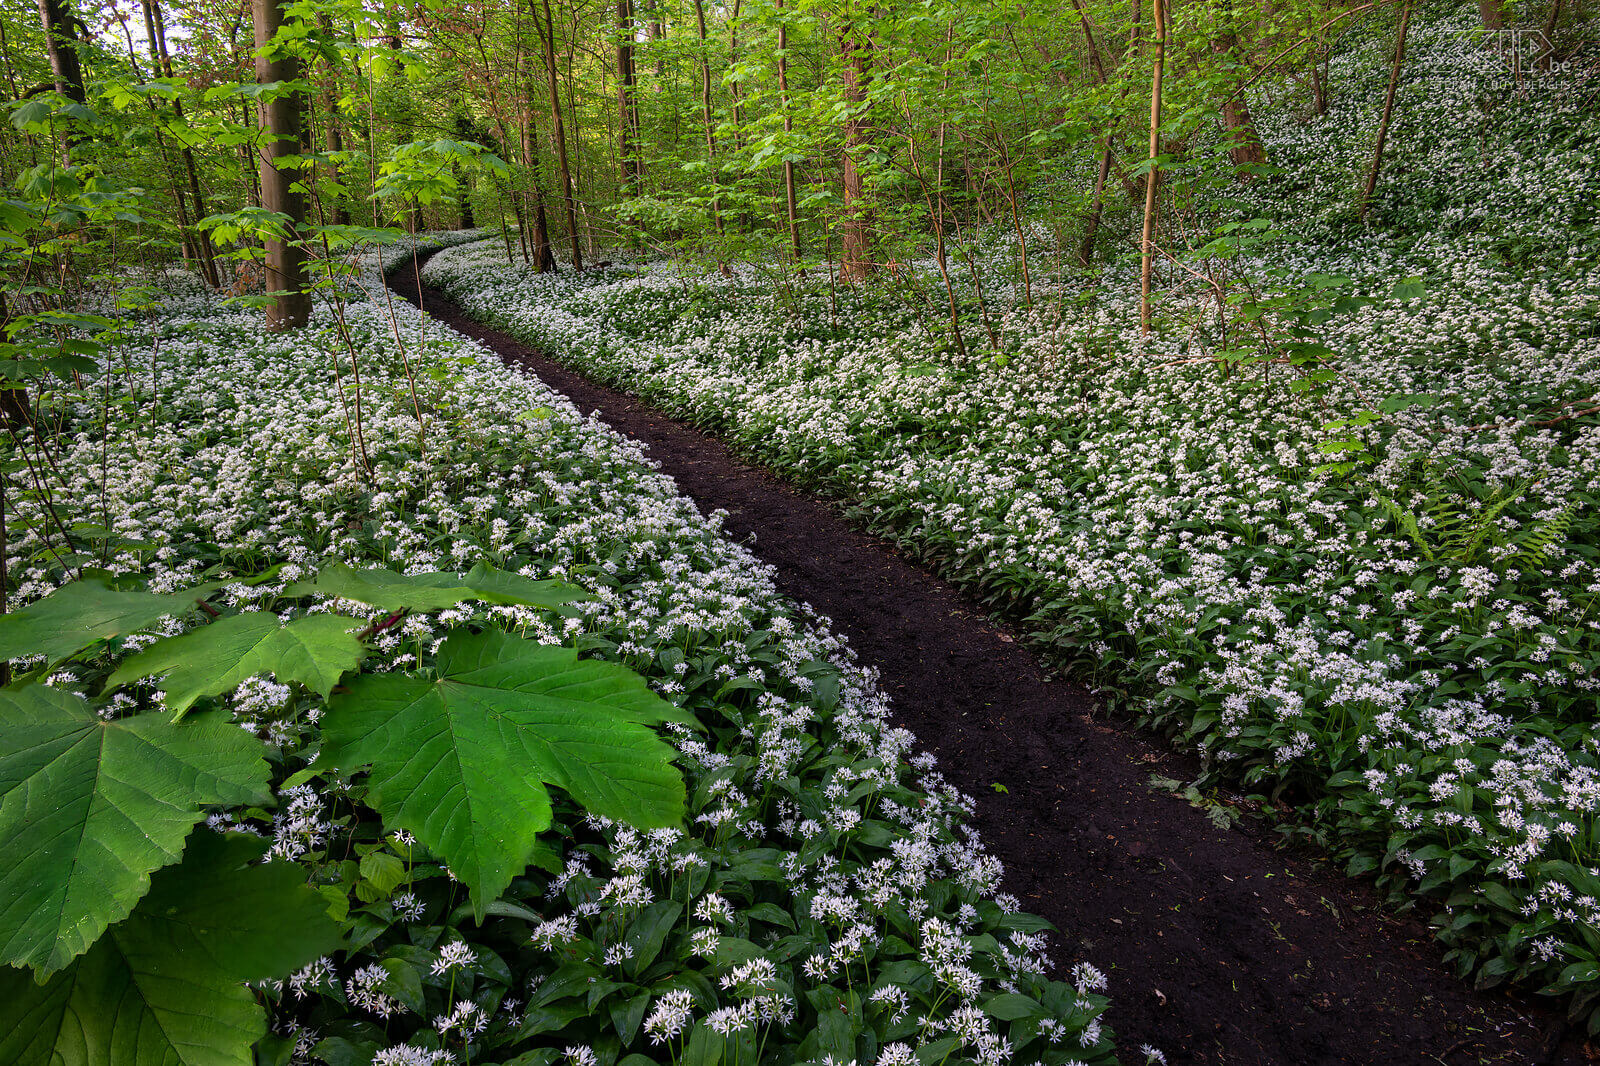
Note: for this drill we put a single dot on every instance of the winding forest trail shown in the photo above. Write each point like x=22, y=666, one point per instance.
x=1220, y=948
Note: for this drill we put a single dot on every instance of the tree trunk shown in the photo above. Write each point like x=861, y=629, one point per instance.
x=1147, y=243
x=709, y=123
x=1244, y=145
x=1492, y=12
x=286, y=261
x=465, y=132
x=855, y=227
x=627, y=114
x=60, y=23
x=1388, y=111
x=156, y=27
x=558, y=133
x=733, y=86
x=1091, y=231
x=537, y=220
x=788, y=130
x=334, y=136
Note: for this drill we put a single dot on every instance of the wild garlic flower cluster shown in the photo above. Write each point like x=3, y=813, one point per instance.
x=1412, y=644
x=822, y=861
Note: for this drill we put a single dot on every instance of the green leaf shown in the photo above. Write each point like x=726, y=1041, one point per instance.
x=385, y=871
x=75, y=616
x=463, y=761
x=316, y=651
x=1008, y=1007
x=438, y=590
x=164, y=988
x=89, y=808
x=649, y=932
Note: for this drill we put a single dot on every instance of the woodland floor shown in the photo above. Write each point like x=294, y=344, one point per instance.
x=1220, y=947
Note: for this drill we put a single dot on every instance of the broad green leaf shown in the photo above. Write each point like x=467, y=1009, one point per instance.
x=165, y=987
x=436, y=591
x=75, y=616
x=89, y=808
x=463, y=761
x=316, y=651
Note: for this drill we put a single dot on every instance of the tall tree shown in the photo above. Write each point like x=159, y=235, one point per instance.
x=1244, y=145
x=1158, y=65
x=156, y=28
x=558, y=134
x=855, y=227
x=627, y=112
x=788, y=129
x=61, y=29
x=1388, y=111
x=281, y=125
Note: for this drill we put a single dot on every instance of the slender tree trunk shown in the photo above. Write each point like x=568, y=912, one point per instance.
x=1548, y=58
x=733, y=61
x=558, y=133
x=627, y=113
x=855, y=227
x=1091, y=230
x=538, y=222
x=1244, y=145
x=156, y=29
x=1491, y=12
x=334, y=135
x=1388, y=110
x=708, y=121
x=788, y=131
x=286, y=260
x=1147, y=243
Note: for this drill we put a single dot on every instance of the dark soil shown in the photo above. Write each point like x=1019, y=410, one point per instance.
x=1220, y=948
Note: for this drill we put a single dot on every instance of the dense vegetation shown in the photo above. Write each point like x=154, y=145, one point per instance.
x=1246, y=354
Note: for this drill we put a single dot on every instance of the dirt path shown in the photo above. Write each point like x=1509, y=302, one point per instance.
x=1219, y=948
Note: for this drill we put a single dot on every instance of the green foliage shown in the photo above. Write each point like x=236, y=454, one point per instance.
x=84, y=613
x=435, y=591
x=163, y=988
x=88, y=808
x=462, y=761
x=138, y=969
x=1451, y=520
x=315, y=651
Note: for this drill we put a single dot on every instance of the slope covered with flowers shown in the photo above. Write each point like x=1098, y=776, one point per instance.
x=824, y=898
x=1390, y=625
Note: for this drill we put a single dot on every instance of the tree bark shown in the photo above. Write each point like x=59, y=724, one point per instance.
x=334, y=135
x=1244, y=144
x=280, y=117
x=1492, y=12
x=1147, y=243
x=788, y=130
x=558, y=133
x=855, y=227
x=627, y=113
x=156, y=28
x=1388, y=111
x=1097, y=204
x=61, y=40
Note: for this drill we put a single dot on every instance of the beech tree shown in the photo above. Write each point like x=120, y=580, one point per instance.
x=279, y=155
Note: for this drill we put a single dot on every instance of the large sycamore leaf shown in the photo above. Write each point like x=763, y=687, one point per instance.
x=165, y=987
x=462, y=761
x=89, y=808
x=437, y=591
x=75, y=616
x=315, y=650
